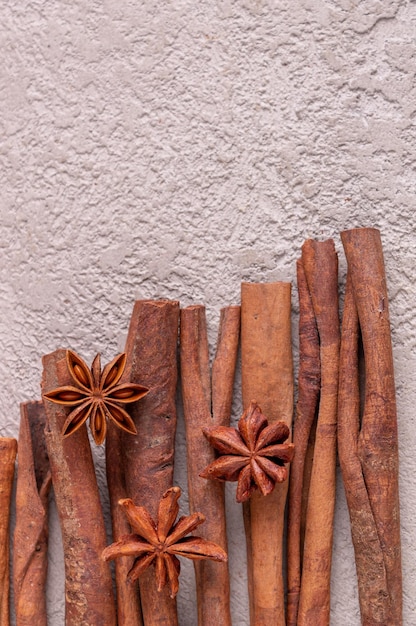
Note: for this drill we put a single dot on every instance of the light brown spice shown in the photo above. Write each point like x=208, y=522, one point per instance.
x=30, y=544
x=161, y=542
x=8, y=449
x=367, y=436
x=254, y=455
x=97, y=396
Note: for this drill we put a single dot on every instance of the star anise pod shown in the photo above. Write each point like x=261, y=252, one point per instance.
x=96, y=396
x=254, y=455
x=163, y=541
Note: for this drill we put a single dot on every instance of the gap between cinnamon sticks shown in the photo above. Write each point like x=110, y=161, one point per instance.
x=267, y=378
x=199, y=398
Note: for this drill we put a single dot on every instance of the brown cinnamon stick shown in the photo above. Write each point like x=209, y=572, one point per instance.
x=148, y=456
x=320, y=263
x=308, y=392
x=368, y=446
x=88, y=586
x=30, y=545
x=212, y=579
x=267, y=378
x=128, y=600
x=8, y=449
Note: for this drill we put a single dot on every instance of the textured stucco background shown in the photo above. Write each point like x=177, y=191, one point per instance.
x=172, y=149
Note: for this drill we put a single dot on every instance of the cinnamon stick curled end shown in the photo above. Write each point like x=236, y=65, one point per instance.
x=254, y=454
x=161, y=542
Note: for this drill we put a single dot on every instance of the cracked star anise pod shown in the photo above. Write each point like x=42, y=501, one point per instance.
x=96, y=396
x=254, y=455
x=163, y=541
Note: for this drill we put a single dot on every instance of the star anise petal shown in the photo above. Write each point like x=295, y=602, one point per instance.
x=69, y=396
x=226, y=440
x=128, y=545
x=225, y=468
x=245, y=485
x=113, y=371
x=125, y=393
x=77, y=418
x=275, y=433
x=140, y=565
x=281, y=451
x=168, y=512
x=79, y=371
x=278, y=473
x=120, y=417
x=197, y=548
x=251, y=423
x=184, y=525
x=98, y=424
x=173, y=567
x=140, y=520
x=263, y=482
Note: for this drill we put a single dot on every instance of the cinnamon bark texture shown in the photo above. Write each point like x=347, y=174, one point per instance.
x=129, y=611
x=367, y=437
x=8, y=449
x=88, y=586
x=267, y=378
x=320, y=264
x=309, y=378
x=212, y=579
x=30, y=545
x=148, y=456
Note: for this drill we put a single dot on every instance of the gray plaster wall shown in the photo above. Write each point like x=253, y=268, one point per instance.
x=173, y=149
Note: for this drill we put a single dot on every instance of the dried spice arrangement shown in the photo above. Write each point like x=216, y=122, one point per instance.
x=346, y=397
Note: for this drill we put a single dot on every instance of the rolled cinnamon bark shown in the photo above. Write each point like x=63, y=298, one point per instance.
x=30, y=544
x=309, y=379
x=88, y=585
x=129, y=611
x=148, y=456
x=8, y=449
x=367, y=438
x=321, y=271
x=212, y=579
x=267, y=378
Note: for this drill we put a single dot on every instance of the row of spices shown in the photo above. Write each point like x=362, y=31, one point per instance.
x=346, y=402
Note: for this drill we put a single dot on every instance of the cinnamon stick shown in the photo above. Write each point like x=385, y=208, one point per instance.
x=267, y=378
x=30, y=545
x=212, y=579
x=321, y=271
x=367, y=438
x=8, y=449
x=308, y=392
x=148, y=456
x=128, y=600
x=88, y=585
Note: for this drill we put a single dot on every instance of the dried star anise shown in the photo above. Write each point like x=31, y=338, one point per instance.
x=160, y=542
x=96, y=396
x=254, y=455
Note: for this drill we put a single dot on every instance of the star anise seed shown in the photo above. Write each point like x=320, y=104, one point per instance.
x=163, y=541
x=96, y=396
x=254, y=455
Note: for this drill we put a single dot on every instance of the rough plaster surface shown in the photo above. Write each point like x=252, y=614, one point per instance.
x=173, y=149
